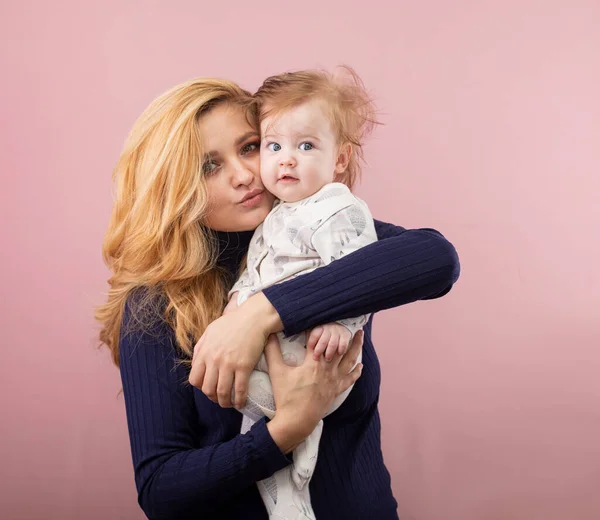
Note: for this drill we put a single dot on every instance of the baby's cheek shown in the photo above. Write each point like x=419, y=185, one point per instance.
x=266, y=170
x=268, y=182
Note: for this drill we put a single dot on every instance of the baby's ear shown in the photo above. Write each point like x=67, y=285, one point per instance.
x=343, y=158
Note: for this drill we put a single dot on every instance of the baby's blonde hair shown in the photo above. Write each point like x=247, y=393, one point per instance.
x=350, y=108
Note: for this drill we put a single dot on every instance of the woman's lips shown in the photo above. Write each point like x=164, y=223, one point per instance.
x=253, y=201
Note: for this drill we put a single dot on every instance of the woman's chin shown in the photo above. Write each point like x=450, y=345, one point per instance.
x=252, y=219
x=258, y=217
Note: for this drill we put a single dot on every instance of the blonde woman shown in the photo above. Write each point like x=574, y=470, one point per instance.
x=188, y=197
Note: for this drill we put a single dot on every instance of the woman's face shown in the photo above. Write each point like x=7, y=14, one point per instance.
x=238, y=201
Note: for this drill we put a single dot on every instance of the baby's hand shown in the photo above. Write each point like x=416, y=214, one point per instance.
x=331, y=338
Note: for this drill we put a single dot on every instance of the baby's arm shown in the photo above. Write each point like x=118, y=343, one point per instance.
x=343, y=233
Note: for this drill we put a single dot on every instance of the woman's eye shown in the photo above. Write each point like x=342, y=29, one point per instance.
x=250, y=147
x=274, y=147
x=209, y=167
x=306, y=146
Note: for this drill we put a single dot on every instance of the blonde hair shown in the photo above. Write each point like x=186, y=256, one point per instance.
x=350, y=109
x=155, y=241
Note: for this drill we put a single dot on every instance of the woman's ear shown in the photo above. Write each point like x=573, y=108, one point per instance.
x=343, y=158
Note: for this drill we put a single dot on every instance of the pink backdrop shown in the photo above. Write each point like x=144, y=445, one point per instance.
x=492, y=136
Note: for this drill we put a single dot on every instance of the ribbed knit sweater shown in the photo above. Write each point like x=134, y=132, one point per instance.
x=190, y=460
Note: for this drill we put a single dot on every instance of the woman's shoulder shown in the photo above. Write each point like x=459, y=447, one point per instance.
x=144, y=316
x=150, y=362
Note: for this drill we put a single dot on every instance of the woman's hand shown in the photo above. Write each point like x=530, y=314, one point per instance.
x=230, y=348
x=303, y=394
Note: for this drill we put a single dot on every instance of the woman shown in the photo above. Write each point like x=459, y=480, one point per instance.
x=188, y=198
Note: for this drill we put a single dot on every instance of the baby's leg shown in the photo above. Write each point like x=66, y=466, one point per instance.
x=305, y=455
x=293, y=349
x=285, y=494
x=260, y=401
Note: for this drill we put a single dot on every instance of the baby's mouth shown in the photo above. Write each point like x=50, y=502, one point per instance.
x=288, y=178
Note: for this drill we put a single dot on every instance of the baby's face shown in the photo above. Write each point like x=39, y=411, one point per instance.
x=298, y=153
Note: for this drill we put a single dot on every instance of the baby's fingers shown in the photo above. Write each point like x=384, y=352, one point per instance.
x=332, y=347
x=343, y=346
x=322, y=343
x=313, y=339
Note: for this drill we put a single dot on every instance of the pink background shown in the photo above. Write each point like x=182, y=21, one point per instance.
x=491, y=396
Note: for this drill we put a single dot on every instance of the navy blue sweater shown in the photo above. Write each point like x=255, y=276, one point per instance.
x=191, y=461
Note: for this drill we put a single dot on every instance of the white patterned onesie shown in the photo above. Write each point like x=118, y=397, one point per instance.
x=294, y=239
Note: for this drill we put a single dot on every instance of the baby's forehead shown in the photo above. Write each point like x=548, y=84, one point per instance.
x=308, y=117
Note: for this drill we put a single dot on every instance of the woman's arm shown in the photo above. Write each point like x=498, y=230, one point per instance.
x=174, y=475
x=402, y=267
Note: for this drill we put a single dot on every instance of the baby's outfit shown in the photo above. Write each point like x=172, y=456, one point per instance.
x=296, y=238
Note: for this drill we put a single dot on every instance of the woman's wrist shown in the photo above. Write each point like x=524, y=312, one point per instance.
x=263, y=313
x=284, y=434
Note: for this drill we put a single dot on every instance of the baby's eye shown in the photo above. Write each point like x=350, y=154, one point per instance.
x=274, y=147
x=306, y=146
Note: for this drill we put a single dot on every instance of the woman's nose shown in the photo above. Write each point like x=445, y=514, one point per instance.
x=242, y=175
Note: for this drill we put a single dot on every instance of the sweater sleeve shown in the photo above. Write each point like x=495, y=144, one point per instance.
x=403, y=266
x=176, y=473
x=341, y=234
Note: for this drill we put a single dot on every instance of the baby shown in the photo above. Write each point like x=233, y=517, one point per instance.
x=312, y=127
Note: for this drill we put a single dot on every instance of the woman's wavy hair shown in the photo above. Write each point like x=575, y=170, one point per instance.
x=155, y=244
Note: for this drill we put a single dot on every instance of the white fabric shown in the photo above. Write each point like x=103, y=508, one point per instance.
x=294, y=239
